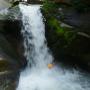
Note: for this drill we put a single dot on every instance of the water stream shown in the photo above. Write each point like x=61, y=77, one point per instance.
x=37, y=75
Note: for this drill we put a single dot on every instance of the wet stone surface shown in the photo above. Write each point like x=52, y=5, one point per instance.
x=9, y=81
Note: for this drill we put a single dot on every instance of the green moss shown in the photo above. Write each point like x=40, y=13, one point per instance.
x=64, y=32
x=53, y=22
x=15, y=3
x=65, y=40
x=49, y=6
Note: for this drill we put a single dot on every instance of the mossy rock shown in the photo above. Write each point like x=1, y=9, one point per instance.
x=15, y=3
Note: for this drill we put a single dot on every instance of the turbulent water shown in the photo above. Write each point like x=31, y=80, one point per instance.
x=37, y=75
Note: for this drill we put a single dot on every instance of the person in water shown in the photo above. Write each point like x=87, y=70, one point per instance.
x=50, y=66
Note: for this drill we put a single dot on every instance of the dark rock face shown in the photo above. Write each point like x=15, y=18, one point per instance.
x=74, y=18
x=76, y=54
x=12, y=58
x=11, y=42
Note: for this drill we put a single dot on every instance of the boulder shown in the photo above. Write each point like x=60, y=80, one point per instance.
x=11, y=40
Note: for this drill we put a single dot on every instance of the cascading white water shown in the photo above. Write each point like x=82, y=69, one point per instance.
x=37, y=76
x=36, y=50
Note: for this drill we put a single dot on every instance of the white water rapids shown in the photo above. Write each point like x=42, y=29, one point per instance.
x=37, y=76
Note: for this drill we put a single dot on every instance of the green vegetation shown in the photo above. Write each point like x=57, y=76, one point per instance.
x=64, y=32
x=49, y=6
x=15, y=3
x=50, y=10
x=63, y=40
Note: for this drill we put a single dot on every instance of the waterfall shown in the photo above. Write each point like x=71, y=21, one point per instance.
x=36, y=51
x=37, y=75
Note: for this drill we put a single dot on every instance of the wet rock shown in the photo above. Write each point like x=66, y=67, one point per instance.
x=9, y=81
x=8, y=57
x=11, y=40
x=6, y=66
x=74, y=18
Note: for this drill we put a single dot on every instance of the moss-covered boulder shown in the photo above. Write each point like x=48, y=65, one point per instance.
x=68, y=33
